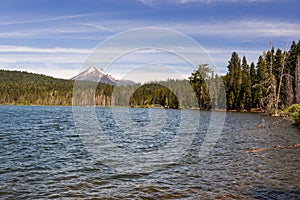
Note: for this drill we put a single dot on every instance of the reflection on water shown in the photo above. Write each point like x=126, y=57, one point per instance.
x=42, y=156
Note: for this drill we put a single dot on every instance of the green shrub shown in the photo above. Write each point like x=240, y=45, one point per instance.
x=294, y=112
x=297, y=119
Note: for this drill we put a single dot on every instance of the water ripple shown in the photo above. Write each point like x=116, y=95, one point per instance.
x=42, y=157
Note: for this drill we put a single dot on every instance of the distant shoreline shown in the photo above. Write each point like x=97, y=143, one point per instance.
x=96, y=106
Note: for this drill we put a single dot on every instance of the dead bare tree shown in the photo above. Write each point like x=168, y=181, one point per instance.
x=271, y=101
x=297, y=81
x=270, y=86
x=280, y=83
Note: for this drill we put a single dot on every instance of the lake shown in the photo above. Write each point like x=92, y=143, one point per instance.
x=119, y=153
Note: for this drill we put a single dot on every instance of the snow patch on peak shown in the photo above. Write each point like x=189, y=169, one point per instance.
x=94, y=69
x=96, y=74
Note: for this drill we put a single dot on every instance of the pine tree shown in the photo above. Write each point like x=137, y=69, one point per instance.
x=271, y=84
x=198, y=83
x=277, y=65
x=246, y=86
x=234, y=82
x=261, y=76
x=293, y=54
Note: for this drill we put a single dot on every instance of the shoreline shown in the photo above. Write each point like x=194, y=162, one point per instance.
x=96, y=106
x=281, y=117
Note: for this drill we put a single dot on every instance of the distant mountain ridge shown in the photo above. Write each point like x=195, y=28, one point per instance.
x=96, y=74
x=24, y=88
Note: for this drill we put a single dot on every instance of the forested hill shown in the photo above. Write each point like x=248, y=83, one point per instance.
x=33, y=89
x=23, y=88
x=270, y=85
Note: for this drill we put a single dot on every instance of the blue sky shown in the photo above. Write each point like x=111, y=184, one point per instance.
x=54, y=37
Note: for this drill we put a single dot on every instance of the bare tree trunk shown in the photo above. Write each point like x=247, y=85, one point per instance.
x=272, y=99
x=289, y=99
x=297, y=81
x=200, y=98
x=280, y=82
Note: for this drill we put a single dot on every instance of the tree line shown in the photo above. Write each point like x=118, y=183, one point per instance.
x=270, y=85
x=273, y=83
x=23, y=88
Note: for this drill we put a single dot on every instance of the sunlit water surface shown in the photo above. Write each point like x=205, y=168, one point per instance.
x=42, y=156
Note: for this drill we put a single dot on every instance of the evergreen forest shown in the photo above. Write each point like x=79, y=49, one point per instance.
x=269, y=85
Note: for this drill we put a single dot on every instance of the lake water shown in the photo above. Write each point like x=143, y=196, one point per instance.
x=45, y=153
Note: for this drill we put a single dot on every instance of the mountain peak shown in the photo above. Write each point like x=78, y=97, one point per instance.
x=96, y=74
x=94, y=69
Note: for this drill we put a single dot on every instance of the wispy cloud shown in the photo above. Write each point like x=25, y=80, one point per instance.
x=64, y=71
x=46, y=38
x=224, y=1
x=242, y=28
x=97, y=26
x=26, y=49
x=245, y=28
x=47, y=19
x=230, y=50
x=49, y=32
x=250, y=28
x=58, y=62
x=40, y=58
x=14, y=34
x=159, y=2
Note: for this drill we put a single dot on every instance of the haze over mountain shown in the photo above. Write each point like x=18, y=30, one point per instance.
x=96, y=74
